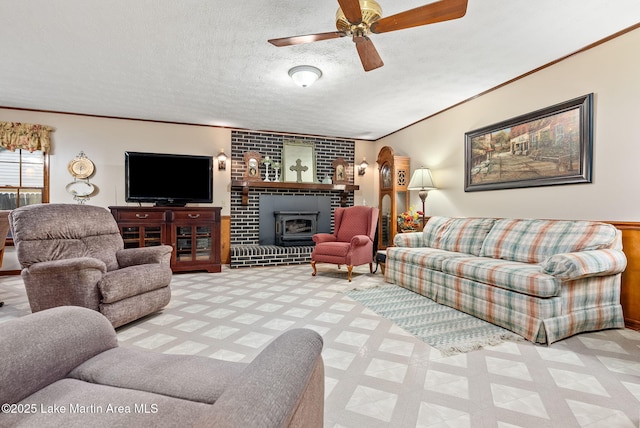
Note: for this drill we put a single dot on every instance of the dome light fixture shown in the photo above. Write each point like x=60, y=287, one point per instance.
x=305, y=75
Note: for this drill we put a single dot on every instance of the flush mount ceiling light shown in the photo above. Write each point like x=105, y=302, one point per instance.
x=305, y=75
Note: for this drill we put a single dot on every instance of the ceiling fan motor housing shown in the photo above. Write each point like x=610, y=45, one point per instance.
x=371, y=12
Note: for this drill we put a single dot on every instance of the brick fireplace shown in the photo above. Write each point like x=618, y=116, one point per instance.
x=246, y=247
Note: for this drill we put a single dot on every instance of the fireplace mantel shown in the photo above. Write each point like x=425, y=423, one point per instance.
x=245, y=185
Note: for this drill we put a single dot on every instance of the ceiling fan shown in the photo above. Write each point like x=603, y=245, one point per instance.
x=359, y=18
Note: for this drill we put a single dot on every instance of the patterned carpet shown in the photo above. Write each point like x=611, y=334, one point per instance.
x=440, y=326
x=377, y=375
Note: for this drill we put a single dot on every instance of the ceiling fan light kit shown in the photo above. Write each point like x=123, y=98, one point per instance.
x=359, y=18
x=305, y=75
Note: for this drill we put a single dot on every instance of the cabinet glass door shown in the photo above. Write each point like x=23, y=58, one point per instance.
x=141, y=236
x=152, y=236
x=203, y=242
x=184, y=243
x=193, y=243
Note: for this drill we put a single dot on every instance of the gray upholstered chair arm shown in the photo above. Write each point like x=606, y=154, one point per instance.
x=42, y=348
x=285, y=378
x=68, y=282
x=144, y=255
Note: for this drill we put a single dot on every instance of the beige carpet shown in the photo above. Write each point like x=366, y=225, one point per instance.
x=378, y=375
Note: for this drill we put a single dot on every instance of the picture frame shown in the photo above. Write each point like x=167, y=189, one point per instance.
x=547, y=147
x=298, y=161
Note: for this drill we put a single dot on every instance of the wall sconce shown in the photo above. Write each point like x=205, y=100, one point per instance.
x=222, y=160
x=362, y=168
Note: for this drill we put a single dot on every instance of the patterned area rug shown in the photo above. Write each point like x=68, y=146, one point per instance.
x=442, y=327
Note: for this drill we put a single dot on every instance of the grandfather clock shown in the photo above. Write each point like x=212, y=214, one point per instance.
x=394, y=175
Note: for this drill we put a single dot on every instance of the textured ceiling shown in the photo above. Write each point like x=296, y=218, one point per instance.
x=208, y=61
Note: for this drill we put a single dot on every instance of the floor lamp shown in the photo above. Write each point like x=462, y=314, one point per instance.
x=422, y=181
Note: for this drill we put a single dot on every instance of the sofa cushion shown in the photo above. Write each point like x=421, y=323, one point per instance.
x=462, y=235
x=533, y=240
x=520, y=277
x=421, y=258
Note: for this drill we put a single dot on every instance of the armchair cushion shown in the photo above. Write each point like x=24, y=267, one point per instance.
x=354, y=221
x=64, y=231
x=131, y=281
x=334, y=249
x=187, y=377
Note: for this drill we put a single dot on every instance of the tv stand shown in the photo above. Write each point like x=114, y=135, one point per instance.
x=193, y=232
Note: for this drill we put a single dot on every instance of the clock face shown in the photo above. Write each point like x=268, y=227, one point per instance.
x=253, y=167
x=81, y=168
x=385, y=173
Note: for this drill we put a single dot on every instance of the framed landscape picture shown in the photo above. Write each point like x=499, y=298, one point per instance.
x=546, y=147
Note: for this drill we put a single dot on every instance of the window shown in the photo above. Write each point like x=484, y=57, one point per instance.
x=24, y=178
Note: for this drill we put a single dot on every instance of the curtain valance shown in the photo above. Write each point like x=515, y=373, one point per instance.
x=25, y=136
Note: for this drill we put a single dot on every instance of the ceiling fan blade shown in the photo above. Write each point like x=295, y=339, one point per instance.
x=297, y=40
x=368, y=53
x=351, y=10
x=431, y=13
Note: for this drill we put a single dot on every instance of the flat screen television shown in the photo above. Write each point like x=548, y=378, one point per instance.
x=168, y=179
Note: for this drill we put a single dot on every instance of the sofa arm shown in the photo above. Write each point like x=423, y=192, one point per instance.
x=570, y=266
x=41, y=348
x=68, y=282
x=144, y=255
x=410, y=239
x=283, y=386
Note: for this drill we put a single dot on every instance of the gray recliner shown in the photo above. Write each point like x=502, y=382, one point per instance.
x=74, y=255
x=63, y=367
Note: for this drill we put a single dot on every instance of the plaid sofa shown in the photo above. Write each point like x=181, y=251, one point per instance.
x=542, y=279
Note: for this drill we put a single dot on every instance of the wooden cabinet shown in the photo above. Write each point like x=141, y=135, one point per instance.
x=393, y=194
x=193, y=232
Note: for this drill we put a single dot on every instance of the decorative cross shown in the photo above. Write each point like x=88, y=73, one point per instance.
x=299, y=169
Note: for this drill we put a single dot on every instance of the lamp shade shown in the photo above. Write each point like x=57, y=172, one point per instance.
x=421, y=180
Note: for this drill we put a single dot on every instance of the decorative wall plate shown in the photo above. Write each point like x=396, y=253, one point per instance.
x=80, y=188
x=81, y=167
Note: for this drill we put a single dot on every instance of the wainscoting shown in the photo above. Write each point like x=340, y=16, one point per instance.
x=630, y=292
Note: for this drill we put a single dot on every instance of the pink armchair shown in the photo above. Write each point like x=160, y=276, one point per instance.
x=351, y=243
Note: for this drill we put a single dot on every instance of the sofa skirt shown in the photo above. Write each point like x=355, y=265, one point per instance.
x=583, y=305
